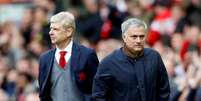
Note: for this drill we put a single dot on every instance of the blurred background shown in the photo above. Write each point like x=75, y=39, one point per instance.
x=174, y=31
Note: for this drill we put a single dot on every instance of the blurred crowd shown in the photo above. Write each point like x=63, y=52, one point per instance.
x=174, y=31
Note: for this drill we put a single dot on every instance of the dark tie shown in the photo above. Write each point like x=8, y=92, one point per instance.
x=62, y=60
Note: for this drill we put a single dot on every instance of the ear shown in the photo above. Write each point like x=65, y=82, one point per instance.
x=69, y=31
x=123, y=37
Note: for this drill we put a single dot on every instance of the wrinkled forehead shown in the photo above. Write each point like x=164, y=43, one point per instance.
x=136, y=30
x=55, y=25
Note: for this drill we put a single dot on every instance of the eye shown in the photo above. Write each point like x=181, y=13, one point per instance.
x=134, y=36
x=138, y=36
x=141, y=36
x=55, y=29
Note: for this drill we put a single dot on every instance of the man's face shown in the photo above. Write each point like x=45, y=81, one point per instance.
x=58, y=34
x=134, y=38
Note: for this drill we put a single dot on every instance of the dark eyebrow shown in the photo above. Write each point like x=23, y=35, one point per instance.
x=141, y=35
x=138, y=35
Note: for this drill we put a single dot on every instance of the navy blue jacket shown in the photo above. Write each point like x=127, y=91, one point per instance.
x=114, y=80
x=84, y=63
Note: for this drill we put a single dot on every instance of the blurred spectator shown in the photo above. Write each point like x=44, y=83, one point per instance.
x=105, y=47
x=41, y=26
x=112, y=20
x=176, y=45
x=139, y=9
x=10, y=83
x=194, y=12
x=32, y=97
x=190, y=43
x=24, y=65
x=26, y=24
x=35, y=73
x=23, y=85
x=90, y=27
x=3, y=96
x=104, y=21
x=178, y=17
x=11, y=44
x=5, y=37
x=35, y=48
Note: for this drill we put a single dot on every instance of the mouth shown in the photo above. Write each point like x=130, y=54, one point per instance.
x=52, y=38
x=138, y=45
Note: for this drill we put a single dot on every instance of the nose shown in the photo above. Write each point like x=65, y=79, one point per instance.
x=50, y=32
x=138, y=39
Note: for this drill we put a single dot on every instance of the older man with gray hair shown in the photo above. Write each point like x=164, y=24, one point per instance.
x=66, y=72
x=132, y=73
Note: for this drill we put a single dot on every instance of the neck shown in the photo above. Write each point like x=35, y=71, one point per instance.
x=132, y=54
x=61, y=46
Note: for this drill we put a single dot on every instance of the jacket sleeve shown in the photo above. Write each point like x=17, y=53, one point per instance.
x=174, y=95
x=191, y=94
x=163, y=88
x=40, y=78
x=102, y=82
x=92, y=65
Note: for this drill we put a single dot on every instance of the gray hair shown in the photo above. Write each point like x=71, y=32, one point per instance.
x=134, y=22
x=65, y=18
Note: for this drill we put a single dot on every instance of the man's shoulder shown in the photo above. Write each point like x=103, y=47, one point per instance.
x=112, y=56
x=150, y=52
x=47, y=53
x=84, y=49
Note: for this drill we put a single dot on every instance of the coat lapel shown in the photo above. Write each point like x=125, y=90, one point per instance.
x=49, y=64
x=75, y=57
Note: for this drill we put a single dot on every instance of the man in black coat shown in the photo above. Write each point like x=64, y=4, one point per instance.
x=66, y=72
x=132, y=73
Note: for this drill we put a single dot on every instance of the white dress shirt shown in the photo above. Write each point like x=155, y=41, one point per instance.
x=68, y=49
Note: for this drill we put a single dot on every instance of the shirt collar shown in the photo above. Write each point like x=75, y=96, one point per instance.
x=133, y=55
x=68, y=48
